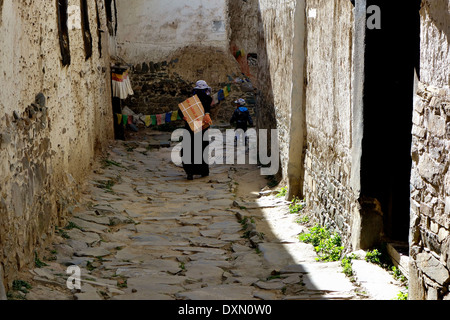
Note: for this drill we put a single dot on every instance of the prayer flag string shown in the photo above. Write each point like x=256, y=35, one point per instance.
x=160, y=119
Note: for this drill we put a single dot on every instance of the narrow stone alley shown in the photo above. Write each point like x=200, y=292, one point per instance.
x=143, y=232
x=350, y=98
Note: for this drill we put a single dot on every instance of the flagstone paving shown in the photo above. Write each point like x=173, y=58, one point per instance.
x=143, y=232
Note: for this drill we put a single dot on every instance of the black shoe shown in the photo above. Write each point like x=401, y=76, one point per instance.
x=190, y=177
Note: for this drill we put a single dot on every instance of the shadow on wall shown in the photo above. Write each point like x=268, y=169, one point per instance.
x=265, y=102
x=290, y=120
x=441, y=18
x=1, y=11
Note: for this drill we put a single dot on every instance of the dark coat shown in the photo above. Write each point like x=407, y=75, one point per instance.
x=203, y=168
x=242, y=118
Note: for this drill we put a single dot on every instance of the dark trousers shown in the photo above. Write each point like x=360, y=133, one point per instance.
x=192, y=167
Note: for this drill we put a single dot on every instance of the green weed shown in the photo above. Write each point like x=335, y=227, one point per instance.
x=398, y=275
x=20, y=285
x=282, y=193
x=380, y=257
x=296, y=206
x=402, y=296
x=303, y=220
x=71, y=225
x=108, y=163
x=37, y=262
x=346, y=264
x=327, y=244
x=374, y=257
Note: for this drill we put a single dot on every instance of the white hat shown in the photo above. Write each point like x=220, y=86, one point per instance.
x=240, y=102
x=201, y=84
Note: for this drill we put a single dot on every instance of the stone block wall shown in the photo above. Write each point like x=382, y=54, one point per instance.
x=430, y=194
x=430, y=177
x=328, y=192
x=305, y=57
x=160, y=86
x=156, y=90
x=53, y=119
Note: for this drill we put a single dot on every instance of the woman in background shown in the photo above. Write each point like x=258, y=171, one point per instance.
x=203, y=91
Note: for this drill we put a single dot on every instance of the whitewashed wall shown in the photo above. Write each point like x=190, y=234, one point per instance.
x=149, y=30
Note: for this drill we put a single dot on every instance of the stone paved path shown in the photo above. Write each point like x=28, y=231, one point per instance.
x=143, y=232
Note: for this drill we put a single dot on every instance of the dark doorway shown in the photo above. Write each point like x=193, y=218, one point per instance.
x=391, y=58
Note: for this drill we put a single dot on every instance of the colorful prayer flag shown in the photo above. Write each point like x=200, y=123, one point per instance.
x=225, y=92
x=168, y=117
x=124, y=120
x=158, y=120
x=216, y=98
x=154, y=120
x=119, y=119
x=148, y=121
x=174, y=116
x=221, y=95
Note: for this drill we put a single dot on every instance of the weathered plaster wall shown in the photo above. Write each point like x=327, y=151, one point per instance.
x=305, y=56
x=328, y=163
x=244, y=17
x=150, y=30
x=275, y=74
x=243, y=24
x=430, y=182
x=52, y=121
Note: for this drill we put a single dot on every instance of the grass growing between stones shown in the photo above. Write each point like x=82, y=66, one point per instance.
x=62, y=233
x=282, y=193
x=327, y=244
x=37, y=262
x=296, y=206
x=379, y=256
x=346, y=264
x=109, y=163
x=402, y=296
x=19, y=290
x=108, y=184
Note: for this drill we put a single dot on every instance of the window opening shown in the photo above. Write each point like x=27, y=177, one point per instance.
x=99, y=29
x=85, y=27
x=63, y=31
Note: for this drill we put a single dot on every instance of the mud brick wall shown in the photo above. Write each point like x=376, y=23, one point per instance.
x=54, y=118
